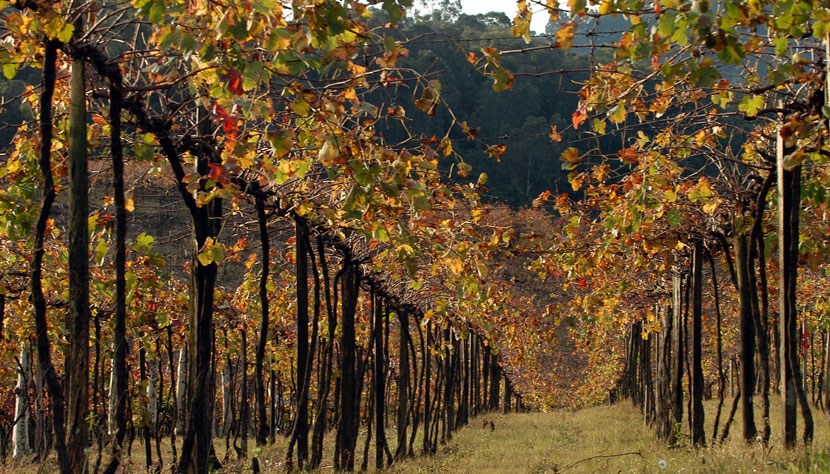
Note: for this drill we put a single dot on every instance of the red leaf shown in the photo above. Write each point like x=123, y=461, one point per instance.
x=229, y=124
x=216, y=171
x=235, y=85
x=233, y=78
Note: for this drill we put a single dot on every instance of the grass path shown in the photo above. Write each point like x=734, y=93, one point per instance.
x=607, y=439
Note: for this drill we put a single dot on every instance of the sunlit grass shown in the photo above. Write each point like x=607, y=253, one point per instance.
x=614, y=439
x=606, y=439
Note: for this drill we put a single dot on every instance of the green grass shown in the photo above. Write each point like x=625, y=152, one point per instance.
x=605, y=439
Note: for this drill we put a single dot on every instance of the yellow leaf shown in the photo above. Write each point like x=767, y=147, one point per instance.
x=129, y=203
x=456, y=266
x=565, y=35
x=711, y=207
x=445, y=147
x=553, y=10
x=477, y=215
x=605, y=7
x=251, y=261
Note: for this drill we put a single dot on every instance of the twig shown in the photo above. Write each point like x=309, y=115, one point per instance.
x=599, y=457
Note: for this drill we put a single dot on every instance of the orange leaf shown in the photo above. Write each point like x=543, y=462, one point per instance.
x=555, y=136
x=541, y=199
x=496, y=151
x=628, y=156
x=578, y=117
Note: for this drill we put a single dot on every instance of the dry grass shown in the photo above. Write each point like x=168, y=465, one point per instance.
x=606, y=439
x=611, y=439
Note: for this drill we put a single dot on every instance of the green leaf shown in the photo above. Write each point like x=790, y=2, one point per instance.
x=252, y=75
x=144, y=243
x=599, y=126
x=617, y=113
x=700, y=191
x=211, y=252
x=673, y=217
x=665, y=25
x=282, y=143
x=301, y=107
x=9, y=70
x=163, y=319
x=781, y=45
x=155, y=11
x=751, y=104
x=65, y=34
x=577, y=7
x=422, y=203
x=396, y=12
x=264, y=6
x=101, y=251
x=705, y=76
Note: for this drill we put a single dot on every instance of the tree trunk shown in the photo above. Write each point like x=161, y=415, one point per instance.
x=719, y=336
x=380, y=383
x=677, y=352
x=171, y=394
x=346, y=430
x=426, y=351
x=244, y=410
x=326, y=371
x=449, y=384
x=146, y=410
x=759, y=309
x=152, y=399
x=646, y=381
x=38, y=299
x=20, y=431
x=747, y=324
x=118, y=386
x=181, y=391
x=665, y=422
x=826, y=385
x=789, y=195
x=300, y=431
x=197, y=447
x=77, y=350
x=495, y=380
x=403, y=384
x=697, y=415
x=275, y=407
x=227, y=398
x=259, y=358
x=464, y=367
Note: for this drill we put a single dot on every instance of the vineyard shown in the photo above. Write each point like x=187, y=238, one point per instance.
x=339, y=231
